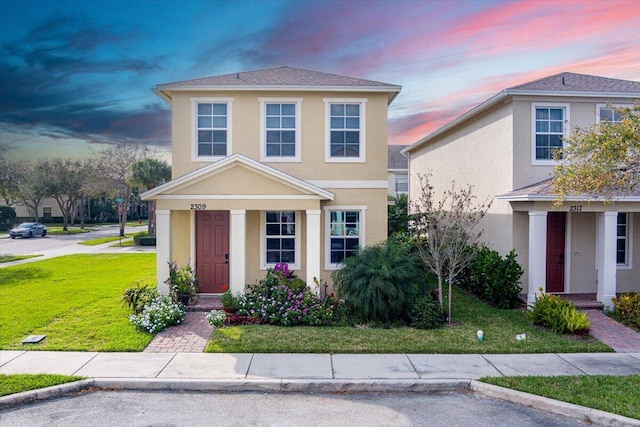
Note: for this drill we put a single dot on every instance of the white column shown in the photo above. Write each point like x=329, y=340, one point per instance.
x=237, y=250
x=606, y=261
x=313, y=248
x=537, y=254
x=163, y=249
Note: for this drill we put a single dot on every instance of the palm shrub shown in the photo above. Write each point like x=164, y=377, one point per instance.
x=558, y=314
x=379, y=281
x=138, y=297
x=627, y=309
x=492, y=278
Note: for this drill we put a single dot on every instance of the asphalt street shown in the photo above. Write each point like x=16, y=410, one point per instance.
x=173, y=408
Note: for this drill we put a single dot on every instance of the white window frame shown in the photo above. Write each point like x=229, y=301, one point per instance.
x=566, y=130
x=395, y=182
x=608, y=107
x=363, y=126
x=263, y=130
x=629, y=242
x=327, y=232
x=263, y=240
x=194, y=127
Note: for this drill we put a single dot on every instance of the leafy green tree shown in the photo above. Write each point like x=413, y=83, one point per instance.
x=602, y=161
x=148, y=174
x=444, y=229
x=66, y=182
x=398, y=214
x=30, y=187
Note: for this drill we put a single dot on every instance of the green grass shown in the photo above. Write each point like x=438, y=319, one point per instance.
x=57, y=230
x=500, y=328
x=617, y=394
x=10, y=384
x=10, y=258
x=101, y=240
x=125, y=244
x=74, y=301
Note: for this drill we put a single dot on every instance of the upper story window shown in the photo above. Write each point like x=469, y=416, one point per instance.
x=211, y=128
x=550, y=127
x=345, y=233
x=402, y=183
x=345, y=133
x=608, y=112
x=280, y=129
x=623, y=239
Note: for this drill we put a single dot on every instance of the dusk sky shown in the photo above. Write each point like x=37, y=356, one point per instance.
x=76, y=74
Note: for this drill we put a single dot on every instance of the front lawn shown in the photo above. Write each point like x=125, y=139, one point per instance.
x=74, y=301
x=57, y=230
x=617, y=394
x=11, y=258
x=10, y=384
x=500, y=329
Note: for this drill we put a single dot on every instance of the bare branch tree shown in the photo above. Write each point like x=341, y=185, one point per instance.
x=116, y=164
x=444, y=230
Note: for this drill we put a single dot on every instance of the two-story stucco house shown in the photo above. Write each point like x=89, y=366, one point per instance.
x=398, y=171
x=269, y=166
x=504, y=147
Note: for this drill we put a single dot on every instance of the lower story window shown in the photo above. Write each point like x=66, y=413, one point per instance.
x=46, y=211
x=280, y=229
x=344, y=228
x=622, y=242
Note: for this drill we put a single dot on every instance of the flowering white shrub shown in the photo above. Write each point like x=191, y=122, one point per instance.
x=158, y=315
x=216, y=318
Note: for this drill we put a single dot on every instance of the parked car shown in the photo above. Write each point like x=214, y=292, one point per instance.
x=28, y=229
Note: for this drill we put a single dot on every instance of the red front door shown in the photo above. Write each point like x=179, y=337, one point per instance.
x=555, y=251
x=212, y=251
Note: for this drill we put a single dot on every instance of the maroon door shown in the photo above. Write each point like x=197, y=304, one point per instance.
x=212, y=251
x=555, y=251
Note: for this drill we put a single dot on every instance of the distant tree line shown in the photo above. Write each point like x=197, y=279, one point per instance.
x=119, y=170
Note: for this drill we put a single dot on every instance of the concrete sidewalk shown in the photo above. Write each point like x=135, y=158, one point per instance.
x=334, y=367
x=319, y=373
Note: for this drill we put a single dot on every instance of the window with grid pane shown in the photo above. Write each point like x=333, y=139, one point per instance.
x=280, y=237
x=345, y=234
x=549, y=131
x=622, y=242
x=345, y=130
x=212, y=129
x=280, y=129
x=609, y=114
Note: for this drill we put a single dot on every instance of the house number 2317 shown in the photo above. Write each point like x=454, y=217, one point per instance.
x=198, y=206
x=575, y=208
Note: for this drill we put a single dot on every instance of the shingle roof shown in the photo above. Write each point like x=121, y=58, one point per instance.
x=572, y=82
x=281, y=76
x=395, y=159
x=542, y=191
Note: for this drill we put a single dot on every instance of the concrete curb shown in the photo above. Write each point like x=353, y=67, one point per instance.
x=43, y=393
x=570, y=410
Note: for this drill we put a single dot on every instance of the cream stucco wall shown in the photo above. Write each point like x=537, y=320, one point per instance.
x=479, y=154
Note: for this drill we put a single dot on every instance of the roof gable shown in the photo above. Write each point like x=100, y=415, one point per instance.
x=395, y=158
x=237, y=168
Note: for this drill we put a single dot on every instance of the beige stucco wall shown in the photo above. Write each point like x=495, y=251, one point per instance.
x=480, y=155
x=246, y=134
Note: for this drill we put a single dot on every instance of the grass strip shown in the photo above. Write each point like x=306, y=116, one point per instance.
x=10, y=258
x=101, y=240
x=55, y=230
x=74, y=300
x=11, y=384
x=616, y=394
x=470, y=314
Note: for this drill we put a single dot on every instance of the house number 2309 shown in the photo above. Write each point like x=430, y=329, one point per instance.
x=198, y=206
x=575, y=208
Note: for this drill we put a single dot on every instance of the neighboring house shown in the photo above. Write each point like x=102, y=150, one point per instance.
x=275, y=165
x=48, y=210
x=504, y=147
x=397, y=171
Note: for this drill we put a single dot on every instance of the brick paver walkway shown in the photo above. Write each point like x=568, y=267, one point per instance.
x=615, y=335
x=189, y=337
